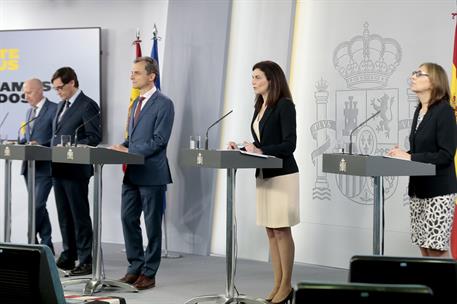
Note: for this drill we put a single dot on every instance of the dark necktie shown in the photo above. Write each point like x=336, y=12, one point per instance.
x=138, y=110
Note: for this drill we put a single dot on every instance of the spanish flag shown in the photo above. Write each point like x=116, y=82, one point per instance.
x=134, y=92
x=453, y=102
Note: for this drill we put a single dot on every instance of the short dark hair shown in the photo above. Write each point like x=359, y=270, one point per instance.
x=66, y=74
x=151, y=65
x=278, y=87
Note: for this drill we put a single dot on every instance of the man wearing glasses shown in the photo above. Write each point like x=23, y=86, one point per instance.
x=76, y=112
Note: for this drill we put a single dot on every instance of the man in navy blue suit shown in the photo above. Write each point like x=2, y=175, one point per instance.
x=39, y=131
x=75, y=113
x=144, y=186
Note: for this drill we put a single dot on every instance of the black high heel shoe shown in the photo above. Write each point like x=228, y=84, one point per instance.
x=286, y=300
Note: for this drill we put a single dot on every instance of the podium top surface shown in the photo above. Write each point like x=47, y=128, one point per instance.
x=94, y=155
x=368, y=165
x=226, y=159
x=24, y=152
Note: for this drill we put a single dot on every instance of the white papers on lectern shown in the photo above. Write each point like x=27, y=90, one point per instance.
x=255, y=154
x=395, y=157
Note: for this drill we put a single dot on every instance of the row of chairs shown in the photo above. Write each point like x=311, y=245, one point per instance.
x=378, y=279
x=28, y=275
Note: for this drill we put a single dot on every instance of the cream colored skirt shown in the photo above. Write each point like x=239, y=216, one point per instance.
x=278, y=201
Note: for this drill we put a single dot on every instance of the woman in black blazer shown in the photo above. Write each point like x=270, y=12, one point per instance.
x=273, y=127
x=433, y=139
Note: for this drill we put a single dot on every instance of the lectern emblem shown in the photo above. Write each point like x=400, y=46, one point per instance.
x=7, y=151
x=199, y=159
x=70, y=154
x=343, y=165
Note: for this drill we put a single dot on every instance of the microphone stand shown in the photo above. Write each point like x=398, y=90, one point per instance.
x=23, y=126
x=358, y=127
x=83, y=124
x=3, y=120
x=215, y=123
x=1, y=124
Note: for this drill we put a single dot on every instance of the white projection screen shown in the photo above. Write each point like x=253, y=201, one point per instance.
x=38, y=53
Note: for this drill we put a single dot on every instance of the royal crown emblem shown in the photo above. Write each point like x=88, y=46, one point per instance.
x=199, y=159
x=343, y=165
x=367, y=60
x=70, y=154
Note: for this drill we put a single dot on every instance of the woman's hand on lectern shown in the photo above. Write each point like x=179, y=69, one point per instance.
x=232, y=145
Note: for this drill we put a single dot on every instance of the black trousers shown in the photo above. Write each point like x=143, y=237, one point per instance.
x=74, y=218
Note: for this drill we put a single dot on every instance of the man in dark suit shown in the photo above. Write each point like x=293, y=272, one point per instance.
x=76, y=112
x=39, y=131
x=144, y=186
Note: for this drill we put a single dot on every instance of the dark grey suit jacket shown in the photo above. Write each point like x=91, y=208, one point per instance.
x=84, y=111
x=42, y=134
x=149, y=137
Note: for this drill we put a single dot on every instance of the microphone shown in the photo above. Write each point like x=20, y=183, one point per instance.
x=82, y=125
x=4, y=118
x=215, y=123
x=352, y=132
x=23, y=126
x=1, y=124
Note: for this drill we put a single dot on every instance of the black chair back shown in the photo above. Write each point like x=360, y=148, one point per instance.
x=438, y=274
x=361, y=293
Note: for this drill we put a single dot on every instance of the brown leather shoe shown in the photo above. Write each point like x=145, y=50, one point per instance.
x=129, y=278
x=144, y=282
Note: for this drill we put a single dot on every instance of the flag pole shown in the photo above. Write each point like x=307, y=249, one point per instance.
x=165, y=253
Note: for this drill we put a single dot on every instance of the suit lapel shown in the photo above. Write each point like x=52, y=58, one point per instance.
x=131, y=116
x=263, y=121
x=413, y=129
x=56, y=122
x=144, y=111
x=40, y=116
x=427, y=117
x=252, y=126
x=27, y=127
x=73, y=108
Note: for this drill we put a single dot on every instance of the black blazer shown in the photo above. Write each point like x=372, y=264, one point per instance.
x=278, y=136
x=434, y=142
x=83, y=111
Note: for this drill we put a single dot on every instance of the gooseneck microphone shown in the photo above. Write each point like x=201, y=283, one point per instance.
x=356, y=128
x=1, y=124
x=215, y=123
x=82, y=125
x=4, y=118
x=23, y=126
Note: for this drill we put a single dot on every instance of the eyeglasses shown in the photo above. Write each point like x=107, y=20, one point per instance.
x=59, y=88
x=419, y=73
